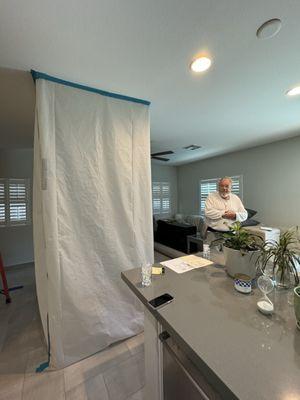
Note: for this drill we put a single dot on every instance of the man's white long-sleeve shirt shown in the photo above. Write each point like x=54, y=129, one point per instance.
x=215, y=207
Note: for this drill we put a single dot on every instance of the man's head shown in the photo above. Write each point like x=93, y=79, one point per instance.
x=224, y=187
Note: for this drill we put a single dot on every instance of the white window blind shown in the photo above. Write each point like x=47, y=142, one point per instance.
x=14, y=202
x=2, y=202
x=208, y=186
x=161, y=200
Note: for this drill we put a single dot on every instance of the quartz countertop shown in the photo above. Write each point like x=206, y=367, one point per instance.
x=245, y=354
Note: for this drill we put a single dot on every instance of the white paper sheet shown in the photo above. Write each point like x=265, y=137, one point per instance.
x=186, y=263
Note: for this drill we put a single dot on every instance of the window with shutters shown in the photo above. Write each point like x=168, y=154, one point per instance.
x=2, y=202
x=208, y=186
x=161, y=197
x=14, y=202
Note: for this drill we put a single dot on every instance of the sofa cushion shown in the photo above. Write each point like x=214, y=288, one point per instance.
x=179, y=217
x=251, y=212
x=250, y=222
x=173, y=234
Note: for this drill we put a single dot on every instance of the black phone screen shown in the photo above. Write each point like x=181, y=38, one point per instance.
x=160, y=300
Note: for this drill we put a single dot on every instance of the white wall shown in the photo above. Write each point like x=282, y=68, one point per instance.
x=163, y=173
x=16, y=242
x=271, y=180
x=17, y=97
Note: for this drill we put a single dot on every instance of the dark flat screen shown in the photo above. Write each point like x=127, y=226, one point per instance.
x=160, y=300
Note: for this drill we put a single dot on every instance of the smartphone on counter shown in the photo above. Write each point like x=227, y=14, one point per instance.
x=161, y=300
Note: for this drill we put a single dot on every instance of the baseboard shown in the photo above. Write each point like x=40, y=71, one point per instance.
x=168, y=251
x=19, y=266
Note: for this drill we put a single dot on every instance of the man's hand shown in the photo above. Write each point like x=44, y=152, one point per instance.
x=229, y=215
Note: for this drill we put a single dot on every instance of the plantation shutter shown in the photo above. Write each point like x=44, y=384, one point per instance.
x=156, y=197
x=237, y=186
x=207, y=186
x=165, y=194
x=2, y=202
x=18, y=201
x=161, y=201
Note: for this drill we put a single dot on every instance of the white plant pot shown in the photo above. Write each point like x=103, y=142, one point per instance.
x=240, y=263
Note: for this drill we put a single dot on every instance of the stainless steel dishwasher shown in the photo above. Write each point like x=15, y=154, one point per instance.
x=181, y=378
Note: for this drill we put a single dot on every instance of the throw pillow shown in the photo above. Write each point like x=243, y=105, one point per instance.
x=250, y=222
x=251, y=213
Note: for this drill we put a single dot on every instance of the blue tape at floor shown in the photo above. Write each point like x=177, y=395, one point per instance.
x=12, y=289
x=42, y=367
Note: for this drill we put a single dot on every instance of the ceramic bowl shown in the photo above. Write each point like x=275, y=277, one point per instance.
x=242, y=283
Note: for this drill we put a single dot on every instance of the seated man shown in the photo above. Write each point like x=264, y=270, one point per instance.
x=223, y=208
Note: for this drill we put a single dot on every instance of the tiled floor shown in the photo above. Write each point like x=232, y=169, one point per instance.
x=116, y=373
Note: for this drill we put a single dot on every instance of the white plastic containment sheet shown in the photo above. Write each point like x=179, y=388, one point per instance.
x=92, y=216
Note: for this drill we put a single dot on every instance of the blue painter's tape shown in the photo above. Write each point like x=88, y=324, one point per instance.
x=42, y=367
x=40, y=75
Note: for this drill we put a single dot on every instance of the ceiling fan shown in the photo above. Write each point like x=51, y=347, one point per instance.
x=162, y=153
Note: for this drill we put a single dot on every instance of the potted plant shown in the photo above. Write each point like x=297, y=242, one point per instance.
x=280, y=259
x=241, y=249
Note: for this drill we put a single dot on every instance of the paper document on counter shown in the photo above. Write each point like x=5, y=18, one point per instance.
x=186, y=263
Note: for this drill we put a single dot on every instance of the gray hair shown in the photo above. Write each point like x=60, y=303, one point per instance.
x=223, y=179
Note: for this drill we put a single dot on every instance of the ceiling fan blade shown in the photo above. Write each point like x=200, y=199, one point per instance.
x=160, y=158
x=163, y=153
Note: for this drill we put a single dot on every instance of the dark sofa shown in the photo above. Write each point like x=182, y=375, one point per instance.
x=173, y=234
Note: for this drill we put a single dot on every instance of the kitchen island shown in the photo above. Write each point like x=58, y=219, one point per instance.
x=233, y=351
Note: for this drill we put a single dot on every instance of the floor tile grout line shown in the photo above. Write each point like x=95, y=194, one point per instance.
x=116, y=363
x=23, y=384
x=106, y=387
x=24, y=376
x=64, y=384
x=132, y=394
x=132, y=356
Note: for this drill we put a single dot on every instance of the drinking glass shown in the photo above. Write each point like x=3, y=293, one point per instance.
x=146, y=274
x=206, y=251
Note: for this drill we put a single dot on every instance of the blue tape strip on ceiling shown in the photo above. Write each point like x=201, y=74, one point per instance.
x=40, y=75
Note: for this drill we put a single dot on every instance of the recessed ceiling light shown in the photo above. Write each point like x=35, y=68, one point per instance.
x=269, y=29
x=201, y=64
x=294, y=92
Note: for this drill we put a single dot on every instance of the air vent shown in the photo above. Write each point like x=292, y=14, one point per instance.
x=269, y=29
x=192, y=147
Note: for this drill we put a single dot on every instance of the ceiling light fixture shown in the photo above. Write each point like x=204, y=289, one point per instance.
x=293, y=92
x=200, y=64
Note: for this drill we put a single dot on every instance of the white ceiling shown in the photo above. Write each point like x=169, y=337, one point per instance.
x=143, y=48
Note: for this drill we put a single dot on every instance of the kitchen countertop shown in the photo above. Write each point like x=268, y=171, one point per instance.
x=244, y=354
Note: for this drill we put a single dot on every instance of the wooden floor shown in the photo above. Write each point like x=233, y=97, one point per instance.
x=116, y=373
